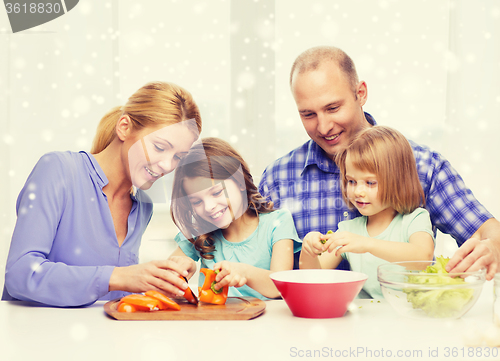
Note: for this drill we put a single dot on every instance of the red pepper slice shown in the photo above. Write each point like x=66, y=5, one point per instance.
x=208, y=293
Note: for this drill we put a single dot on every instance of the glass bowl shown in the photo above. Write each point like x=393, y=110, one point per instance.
x=429, y=295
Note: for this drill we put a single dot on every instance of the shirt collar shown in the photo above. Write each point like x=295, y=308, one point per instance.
x=316, y=155
x=101, y=178
x=98, y=174
x=370, y=119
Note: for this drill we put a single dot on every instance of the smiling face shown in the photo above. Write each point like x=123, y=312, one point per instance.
x=331, y=112
x=218, y=202
x=362, y=191
x=154, y=152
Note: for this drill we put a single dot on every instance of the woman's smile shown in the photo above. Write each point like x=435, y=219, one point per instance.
x=147, y=161
x=153, y=174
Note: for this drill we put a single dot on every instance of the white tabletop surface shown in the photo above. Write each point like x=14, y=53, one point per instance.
x=369, y=331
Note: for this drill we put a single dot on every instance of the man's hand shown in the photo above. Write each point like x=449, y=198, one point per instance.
x=475, y=254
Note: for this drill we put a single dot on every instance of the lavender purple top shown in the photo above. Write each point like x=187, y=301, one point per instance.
x=64, y=246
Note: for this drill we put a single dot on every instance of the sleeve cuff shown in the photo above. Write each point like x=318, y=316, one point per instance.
x=103, y=285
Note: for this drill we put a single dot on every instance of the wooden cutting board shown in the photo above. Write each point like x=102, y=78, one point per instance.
x=236, y=308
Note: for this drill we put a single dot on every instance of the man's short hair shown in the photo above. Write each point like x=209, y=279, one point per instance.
x=312, y=58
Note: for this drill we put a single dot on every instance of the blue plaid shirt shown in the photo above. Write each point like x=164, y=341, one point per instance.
x=307, y=182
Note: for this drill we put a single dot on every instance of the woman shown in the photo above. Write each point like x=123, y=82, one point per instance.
x=81, y=215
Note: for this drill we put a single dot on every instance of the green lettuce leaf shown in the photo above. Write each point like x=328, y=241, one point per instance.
x=438, y=303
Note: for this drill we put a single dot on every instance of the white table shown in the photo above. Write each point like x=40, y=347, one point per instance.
x=370, y=331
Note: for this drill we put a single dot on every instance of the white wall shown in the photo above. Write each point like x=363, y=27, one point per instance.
x=432, y=70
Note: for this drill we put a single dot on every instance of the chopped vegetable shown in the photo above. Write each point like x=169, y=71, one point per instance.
x=189, y=295
x=323, y=241
x=167, y=302
x=141, y=302
x=208, y=293
x=126, y=307
x=438, y=302
x=151, y=301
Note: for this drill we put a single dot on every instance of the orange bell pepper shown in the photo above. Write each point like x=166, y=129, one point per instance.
x=164, y=300
x=126, y=307
x=151, y=301
x=142, y=302
x=208, y=293
x=189, y=295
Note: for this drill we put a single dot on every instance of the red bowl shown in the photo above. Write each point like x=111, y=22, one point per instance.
x=318, y=293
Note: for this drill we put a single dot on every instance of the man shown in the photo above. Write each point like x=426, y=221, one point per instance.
x=330, y=101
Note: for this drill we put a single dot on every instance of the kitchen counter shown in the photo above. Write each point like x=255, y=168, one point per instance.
x=370, y=330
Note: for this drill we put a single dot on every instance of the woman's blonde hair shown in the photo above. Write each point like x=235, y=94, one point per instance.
x=154, y=104
x=211, y=158
x=386, y=153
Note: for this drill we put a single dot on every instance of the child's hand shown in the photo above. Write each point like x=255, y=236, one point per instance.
x=342, y=242
x=315, y=243
x=231, y=274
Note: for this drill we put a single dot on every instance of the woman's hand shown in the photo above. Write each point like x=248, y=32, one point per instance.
x=185, y=263
x=232, y=274
x=155, y=275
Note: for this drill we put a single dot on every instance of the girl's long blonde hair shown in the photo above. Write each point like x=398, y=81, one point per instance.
x=154, y=104
x=211, y=158
x=386, y=153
